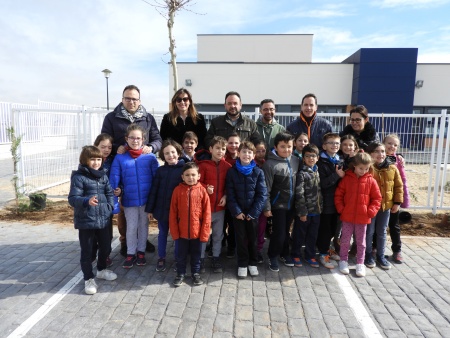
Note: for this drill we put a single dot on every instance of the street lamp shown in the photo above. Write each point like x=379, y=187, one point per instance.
x=106, y=71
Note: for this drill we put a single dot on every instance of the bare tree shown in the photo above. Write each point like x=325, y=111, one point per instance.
x=168, y=10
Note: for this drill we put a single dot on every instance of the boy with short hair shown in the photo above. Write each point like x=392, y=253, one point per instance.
x=280, y=171
x=233, y=143
x=246, y=191
x=213, y=171
x=189, y=222
x=330, y=172
x=308, y=205
x=189, y=144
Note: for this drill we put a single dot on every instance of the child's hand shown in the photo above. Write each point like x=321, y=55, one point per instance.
x=121, y=150
x=340, y=171
x=401, y=160
x=147, y=150
x=117, y=192
x=241, y=216
x=93, y=201
x=210, y=189
x=303, y=218
x=268, y=213
x=222, y=201
x=395, y=208
x=150, y=217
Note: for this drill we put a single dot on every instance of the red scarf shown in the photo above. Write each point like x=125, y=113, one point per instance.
x=135, y=153
x=306, y=119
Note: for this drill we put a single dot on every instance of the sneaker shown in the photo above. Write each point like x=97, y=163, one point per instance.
x=230, y=252
x=149, y=247
x=325, y=261
x=106, y=275
x=360, y=270
x=109, y=262
x=313, y=262
x=129, y=262
x=259, y=258
x=216, y=266
x=273, y=265
x=369, y=261
x=178, y=280
x=90, y=287
x=253, y=270
x=242, y=272
x=384, y=264
x=343, y=267
x=140, y=261
x=202, y=265
x=123, y=250
x=197, y=279
x=161, y=265
x=334, y=255
x=297, y=262
x=397, y=257
x=287, y=261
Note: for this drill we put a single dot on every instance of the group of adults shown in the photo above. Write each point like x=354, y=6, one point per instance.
x=184, y=117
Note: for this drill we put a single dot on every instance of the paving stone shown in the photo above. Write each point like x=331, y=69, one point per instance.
x=224, y=323
x=261, y=318
x=280, y=329
x=262, y=331
x=205, y=327
x=186, y=329
x=275, y=298
x=243, y=328
x=244, y=297
x=226, y=305
x=317, y=328
x=294, y=309
x=277, y=314
x=298, y=327
x=207, y=311
x=244, y=312
x=334, y=324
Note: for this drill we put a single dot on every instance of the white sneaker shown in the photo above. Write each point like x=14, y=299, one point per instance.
x=106, y=274
x=325, y=261
x=343, y=267
x=242, y=272
x=90, y=287
x=253, y=270
x=360, y=270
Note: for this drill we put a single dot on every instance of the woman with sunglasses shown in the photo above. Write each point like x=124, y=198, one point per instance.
x=182, y=118
x=360, y=128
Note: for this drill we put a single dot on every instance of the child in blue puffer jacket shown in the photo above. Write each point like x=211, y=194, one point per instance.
x=133, y=172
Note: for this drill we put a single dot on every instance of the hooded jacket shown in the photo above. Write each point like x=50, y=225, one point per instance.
x=389, y=181
x=267, y=131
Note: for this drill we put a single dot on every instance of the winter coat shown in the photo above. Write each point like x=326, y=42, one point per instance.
x=166, y=180
x=115, y=124
x=168, y=130
x=329, y=180
x=246, y=194
x=212, y=173
x=280, y=174
x=222, y=126
x=367, y=136
x=357, y=199
x=319, y=127
x=401, y=170
x=308, y=200
x=190, y=213
x=134, y=176
x=267, y=132
x=83, y=185
x=390, y=183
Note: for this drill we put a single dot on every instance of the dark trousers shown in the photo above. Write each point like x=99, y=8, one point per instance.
x=327, y=229
x=279, y=240
x=122, y=226
x=95, y=245
x=246, y=234
x=305, y=233
x=86, y=237
x=229, y=235
x=186, y=247
x=394, y=231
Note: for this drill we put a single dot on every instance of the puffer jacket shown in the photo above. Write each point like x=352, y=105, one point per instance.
x=280, y=174
x=401, y=170
x=367, y=136
x=319, y=127
x=390, y=183
x=246, y=194
x=357, y=199
x=212, y=173
x=308, y=199
x=83, y=185
x=267, y=132
x=190, y=213
x=166, y=180
x=134, y=176
x=115, y=124
x=329, y=180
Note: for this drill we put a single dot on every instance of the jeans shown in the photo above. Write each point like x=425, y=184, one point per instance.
x=86, y=238
x=217, y=221
x=305, y=233
x=279, y=240
x=137, y=229
x=262, y=222
x=186, y=247
x=394, y=231
x=246, y=234
x=379, y=223
x=162, y=240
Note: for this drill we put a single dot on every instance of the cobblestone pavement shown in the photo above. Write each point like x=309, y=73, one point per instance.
x=411, y=299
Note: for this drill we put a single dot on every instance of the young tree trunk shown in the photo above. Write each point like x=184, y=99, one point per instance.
x=173, y=54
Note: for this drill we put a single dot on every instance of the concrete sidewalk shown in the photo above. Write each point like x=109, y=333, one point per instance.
x=411, y=299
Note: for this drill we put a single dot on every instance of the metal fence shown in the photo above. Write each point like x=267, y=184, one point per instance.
x=53, y=139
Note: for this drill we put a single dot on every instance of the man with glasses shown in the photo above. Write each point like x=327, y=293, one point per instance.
x=115, y=124
x=309, y=123
x=268, y=127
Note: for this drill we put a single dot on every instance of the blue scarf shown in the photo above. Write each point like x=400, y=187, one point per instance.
x=245, y=169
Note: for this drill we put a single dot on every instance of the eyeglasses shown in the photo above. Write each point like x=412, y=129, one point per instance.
x=333, y=143
x=357, y=120
x=130, y=99
x=268, y=109
x=132, y=138
x=310, y=156
x=184, y=99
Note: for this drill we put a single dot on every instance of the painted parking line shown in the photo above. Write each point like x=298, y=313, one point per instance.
x=362, y=316
x=40, y=313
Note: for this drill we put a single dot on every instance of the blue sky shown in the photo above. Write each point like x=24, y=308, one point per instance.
x=55, y=50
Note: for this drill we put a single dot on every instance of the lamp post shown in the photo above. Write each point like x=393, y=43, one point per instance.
x=106, y=71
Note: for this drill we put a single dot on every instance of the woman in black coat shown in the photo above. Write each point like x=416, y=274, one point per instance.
x=360, y=128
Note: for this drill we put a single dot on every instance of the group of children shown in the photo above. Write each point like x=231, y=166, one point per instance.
x=231, y=189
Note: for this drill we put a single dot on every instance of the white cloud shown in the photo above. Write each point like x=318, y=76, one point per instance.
x=409, y=3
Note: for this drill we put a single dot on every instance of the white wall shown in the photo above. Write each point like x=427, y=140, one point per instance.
x=436, y=85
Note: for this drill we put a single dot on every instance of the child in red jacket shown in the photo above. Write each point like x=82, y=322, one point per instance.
x=189, y=222
x=357, y=199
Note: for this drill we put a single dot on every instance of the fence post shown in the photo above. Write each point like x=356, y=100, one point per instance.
x=439, y=160
x=444, y=118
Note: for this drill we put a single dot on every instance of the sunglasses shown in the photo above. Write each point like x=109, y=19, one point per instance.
x=184, y=99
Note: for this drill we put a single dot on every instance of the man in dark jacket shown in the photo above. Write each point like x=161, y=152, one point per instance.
x=115, y=124
x=309, y=123
x=232, y=121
